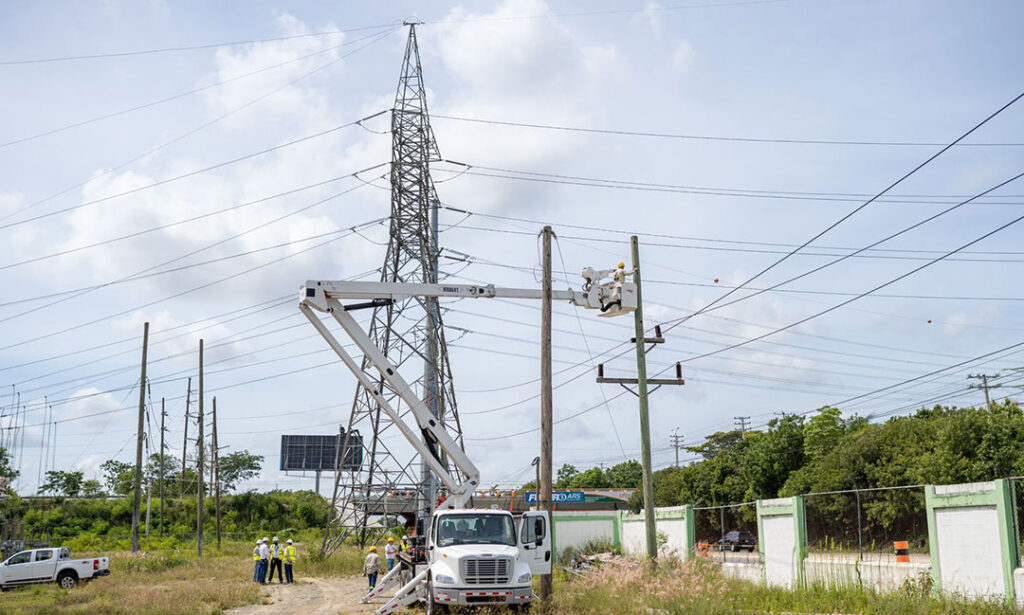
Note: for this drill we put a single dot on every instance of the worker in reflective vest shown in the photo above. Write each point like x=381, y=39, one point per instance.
x=289, y=561
x=404, y=545
x=276, y=551
x=256, y=562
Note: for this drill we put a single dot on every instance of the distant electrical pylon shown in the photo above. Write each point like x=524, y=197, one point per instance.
x=411, y=257
x=985, y=386
x=741, y=423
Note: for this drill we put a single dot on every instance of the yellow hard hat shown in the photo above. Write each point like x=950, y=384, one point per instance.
x=621, y=265
x=391, y=540
x=373, y=549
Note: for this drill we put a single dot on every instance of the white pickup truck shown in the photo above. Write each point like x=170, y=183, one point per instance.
x=52, y=565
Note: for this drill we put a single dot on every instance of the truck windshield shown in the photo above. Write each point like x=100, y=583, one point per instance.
x=475, y=529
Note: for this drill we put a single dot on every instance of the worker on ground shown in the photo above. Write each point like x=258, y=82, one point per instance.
x=264, y=560
x=390, y=553
x=256, y=562
x=371, y=566
x=404, y=545
x=276, y=551
x=289, y=561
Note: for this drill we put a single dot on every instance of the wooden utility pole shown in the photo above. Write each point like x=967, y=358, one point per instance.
x=184, y=444
x=138, y=443
x=163, y=417
x=216, y=471
x=645, y=419
x=677, y=442
x=544, y=488
x=199, y=466
x=985, y=386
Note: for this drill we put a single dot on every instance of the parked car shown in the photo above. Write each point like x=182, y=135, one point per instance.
x=736, y=540
x=50, y=565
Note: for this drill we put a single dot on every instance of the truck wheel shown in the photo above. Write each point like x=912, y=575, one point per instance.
x=66, y=580
x=434, y=608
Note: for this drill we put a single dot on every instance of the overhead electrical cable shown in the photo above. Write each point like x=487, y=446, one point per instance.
x=167, y=99
x=140, y=52
x=187, y=175
x=186, y=134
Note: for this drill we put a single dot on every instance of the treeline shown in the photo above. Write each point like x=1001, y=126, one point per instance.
x=63, y=520
x=828, y=452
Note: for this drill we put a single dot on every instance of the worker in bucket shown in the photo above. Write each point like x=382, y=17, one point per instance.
x=371, y=566
x=404, y=545
x=390, y=553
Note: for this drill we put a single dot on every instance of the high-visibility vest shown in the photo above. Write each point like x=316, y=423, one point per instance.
x=256, y=554
x=275, y=551
x=403, y=547
x=289, y=554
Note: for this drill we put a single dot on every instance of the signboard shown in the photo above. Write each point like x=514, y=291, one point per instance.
x=558, y=497
x=319, y=453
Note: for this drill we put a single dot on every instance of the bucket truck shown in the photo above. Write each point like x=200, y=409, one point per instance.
x=468, y=556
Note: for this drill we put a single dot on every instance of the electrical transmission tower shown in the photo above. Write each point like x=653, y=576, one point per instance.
x=741, y=423
x=404, y=330
x=985, y=386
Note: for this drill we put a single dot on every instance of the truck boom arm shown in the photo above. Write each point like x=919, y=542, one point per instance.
x=613, y=298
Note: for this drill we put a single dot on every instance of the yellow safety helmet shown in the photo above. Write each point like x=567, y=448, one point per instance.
x=621, y=265
x=373, y=549
x=391, y=539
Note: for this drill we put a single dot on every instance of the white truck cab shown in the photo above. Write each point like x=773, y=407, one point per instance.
x=484, y=557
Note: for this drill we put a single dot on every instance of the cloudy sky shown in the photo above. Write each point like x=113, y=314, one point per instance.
x=197, y=188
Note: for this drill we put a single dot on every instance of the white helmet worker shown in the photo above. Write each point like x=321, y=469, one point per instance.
x=265, y=539
x=289, y=541
x=275, y=538
x=259, y=542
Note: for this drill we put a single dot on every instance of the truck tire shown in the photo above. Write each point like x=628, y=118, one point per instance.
x=434, y=608
x=66, y=579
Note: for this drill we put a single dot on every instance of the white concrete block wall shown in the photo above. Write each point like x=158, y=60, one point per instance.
x=675, y=531
x=575, y=532
x=877, y=571
x=779, y=541
x=634, y=536
x=969, y=552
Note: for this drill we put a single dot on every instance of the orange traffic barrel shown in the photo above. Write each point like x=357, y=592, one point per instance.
x=902, y=550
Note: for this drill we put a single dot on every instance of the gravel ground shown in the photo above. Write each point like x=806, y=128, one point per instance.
x=313, y=596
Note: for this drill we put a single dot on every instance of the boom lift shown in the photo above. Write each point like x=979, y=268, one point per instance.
x=470, y=557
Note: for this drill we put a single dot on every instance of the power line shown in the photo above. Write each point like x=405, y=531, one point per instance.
x=862, y=206
x=186, y=134
x=140, y=52
x=698, y=137
x=190, y=173
x=161, y=101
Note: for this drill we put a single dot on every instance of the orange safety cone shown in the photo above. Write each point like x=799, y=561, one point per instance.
x=902, y=550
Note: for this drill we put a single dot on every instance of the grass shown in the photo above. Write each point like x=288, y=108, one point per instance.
x=698, y=587
x=172, y=582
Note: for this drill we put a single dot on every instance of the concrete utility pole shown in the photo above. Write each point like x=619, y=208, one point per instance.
x=642, y=382
x=163, y=417
x=184, y=444
x=216, y=471
x=546, y=404
x=199, y=465
x=741, y=423
x=985, y=386
x=138, y=443
x=677, y=442
x=645, y=420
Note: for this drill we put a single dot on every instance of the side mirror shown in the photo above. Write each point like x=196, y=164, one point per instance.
x=540, y=541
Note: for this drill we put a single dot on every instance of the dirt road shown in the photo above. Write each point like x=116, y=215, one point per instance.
x=312, y=596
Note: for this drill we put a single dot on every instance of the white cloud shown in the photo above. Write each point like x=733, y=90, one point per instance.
x=682, y=57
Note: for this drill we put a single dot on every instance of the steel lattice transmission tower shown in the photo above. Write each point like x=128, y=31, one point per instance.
x=404, y=331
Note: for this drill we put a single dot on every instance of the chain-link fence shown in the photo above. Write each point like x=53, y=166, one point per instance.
x=867, y=524
x=727, y=533
x=1016, y=485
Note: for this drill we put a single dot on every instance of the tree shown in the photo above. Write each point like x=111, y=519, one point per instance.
x=822, y=432
x=7, y=473
x=594, y=478
x=238, y=467
x=92, y=488
x=118, y=476
x=717, y=443
x=67, y=484
x=626, y=475
x=154, y=464
x=565, y=475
